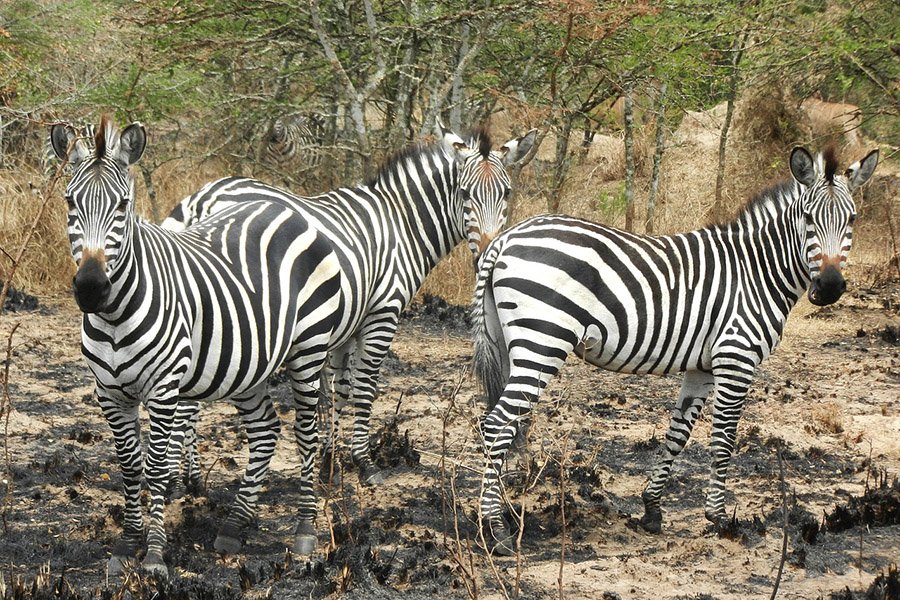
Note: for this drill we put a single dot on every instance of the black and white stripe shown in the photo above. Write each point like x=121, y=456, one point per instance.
x=172, y=319
x=711, y=303
x=388, y=234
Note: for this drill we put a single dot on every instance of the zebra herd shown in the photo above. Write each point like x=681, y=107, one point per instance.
x=244, y=277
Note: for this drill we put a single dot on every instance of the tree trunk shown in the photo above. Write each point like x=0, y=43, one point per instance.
x=151, y=193
x=560, y=164
x=659, y=148
x=718, y=208
x=456, y=92
x=628, y=107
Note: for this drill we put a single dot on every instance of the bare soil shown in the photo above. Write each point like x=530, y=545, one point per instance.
x=828, y=398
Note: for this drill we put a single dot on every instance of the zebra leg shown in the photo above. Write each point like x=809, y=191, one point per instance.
x=123, y=421
x=731, y=391
x=304, y=385
x=372, y=349
x=694, y=390
x=162, y=418
x=501, y=426
x=182, y=448
x=262, y=426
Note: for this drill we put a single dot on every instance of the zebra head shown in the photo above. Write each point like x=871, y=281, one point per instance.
x=100, y=199
x=483, y=185
x=828, y=210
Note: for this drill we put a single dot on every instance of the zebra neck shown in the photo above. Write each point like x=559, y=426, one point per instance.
x=772, y=249
x=132, y=291
x=420, y=196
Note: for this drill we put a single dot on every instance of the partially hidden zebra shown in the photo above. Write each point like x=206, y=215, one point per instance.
x=295, y=143
x=171, y=319
x=711, y=303
x=388, y=234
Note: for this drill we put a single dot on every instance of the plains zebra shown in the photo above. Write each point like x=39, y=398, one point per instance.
x=294, y=141
x=711, y=303
x=171, y=319
x=388, y=234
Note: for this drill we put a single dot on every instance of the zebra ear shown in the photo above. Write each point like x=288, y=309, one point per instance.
x=803, y=167
x=61, y=135
x=515, y=149
x=132, y=143
x=859, y=172
x=454, y=145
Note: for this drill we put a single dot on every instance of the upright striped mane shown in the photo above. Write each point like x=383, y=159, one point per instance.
x=478, y=137
x=766, y=204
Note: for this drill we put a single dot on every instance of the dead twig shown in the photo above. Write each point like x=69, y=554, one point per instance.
x=784, y=521
x=5, y=412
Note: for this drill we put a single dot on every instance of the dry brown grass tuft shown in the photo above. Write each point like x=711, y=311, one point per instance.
x=827, y=418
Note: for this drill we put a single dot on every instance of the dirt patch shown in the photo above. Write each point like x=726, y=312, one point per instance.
x=578, y=478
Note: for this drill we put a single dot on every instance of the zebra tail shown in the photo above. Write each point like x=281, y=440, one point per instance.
x=487, y=362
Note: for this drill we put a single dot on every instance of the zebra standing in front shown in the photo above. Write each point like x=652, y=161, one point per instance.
x=711, y=303
x=388, y=233
x=171, y=319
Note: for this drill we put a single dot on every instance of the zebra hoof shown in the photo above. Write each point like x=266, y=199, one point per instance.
x=330, y=479
x=117, y=565
x=305, y=541
x=716, y=517
x=177, y=491
x=651, y=522
x=499, y=540
x=154, y=564
x=228, y=541
x=375, y=477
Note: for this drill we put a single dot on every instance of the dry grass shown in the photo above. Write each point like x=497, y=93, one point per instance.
x=827, y=418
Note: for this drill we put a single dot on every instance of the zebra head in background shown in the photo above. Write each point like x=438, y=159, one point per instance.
x=100, y=198
x=295, y=140
x=483, y=184
x=829, y=212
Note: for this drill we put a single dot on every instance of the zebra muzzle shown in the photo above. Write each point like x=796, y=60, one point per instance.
x=91, y=286
x=828, y=287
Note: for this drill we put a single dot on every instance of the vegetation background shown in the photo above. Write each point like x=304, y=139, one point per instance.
x=614, y=88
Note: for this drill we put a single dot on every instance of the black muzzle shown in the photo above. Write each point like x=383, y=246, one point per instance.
x=91, y=286
x=827, y=287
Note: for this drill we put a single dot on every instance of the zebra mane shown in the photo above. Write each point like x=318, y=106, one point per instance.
x=106, y=136
x=481, y=135
x=766, y=204
x=829, y=156
x=478, y=136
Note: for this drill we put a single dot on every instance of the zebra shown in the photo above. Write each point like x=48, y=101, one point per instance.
x=172, y=319
x=711, y=303
x=294, y=141
x=388, y=233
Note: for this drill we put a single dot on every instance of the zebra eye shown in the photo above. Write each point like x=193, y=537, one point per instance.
x=70, y=203
x=122, y=205
x=464, y=193
x=852, y=220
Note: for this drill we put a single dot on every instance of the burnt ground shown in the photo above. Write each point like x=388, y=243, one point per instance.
x=827, y=400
